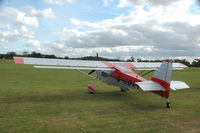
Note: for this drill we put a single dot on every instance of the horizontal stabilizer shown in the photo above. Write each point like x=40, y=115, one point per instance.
x=76, y=68
x=150, y=86
x=175, y=85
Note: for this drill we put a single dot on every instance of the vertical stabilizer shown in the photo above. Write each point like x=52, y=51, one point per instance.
x=163, y=76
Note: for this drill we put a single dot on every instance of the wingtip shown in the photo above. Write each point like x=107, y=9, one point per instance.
x=18, y=60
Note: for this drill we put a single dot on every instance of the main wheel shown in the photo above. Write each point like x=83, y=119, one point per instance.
x=168, y=105
x=91, y=89
x=123, y=89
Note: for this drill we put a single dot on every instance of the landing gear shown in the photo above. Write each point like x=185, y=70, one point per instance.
x=123, y=89
x=167, y=103
x=91, y=89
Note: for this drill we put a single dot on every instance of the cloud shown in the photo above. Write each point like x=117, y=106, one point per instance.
x=18, y=17
x=55, y=2
x=4, y=26
x=26, y=19
x=169, y=31
x=21, y=23
x=124, y=3
x=46, y=13
x=59, y=2
x=15, y=35
x=70, y=1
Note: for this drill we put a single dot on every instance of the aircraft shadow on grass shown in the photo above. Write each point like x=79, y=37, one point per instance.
x=128, y=100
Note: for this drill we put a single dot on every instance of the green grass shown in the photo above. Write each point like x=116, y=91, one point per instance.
x=49, y=101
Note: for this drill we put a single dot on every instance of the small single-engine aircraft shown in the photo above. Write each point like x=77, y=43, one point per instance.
x=197, y=60
x=119, y=74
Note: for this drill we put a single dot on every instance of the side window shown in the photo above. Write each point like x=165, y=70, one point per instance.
x=103, y=74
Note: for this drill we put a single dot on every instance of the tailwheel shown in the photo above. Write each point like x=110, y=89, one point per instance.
x=91, y=89
x=167, y=103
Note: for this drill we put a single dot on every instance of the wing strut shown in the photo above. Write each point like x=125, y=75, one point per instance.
x=144, y=74
x=86, y=74
x=91, y=72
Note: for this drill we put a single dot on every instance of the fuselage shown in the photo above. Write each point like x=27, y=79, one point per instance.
x=124, y=77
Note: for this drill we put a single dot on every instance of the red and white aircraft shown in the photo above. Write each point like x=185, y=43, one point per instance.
x=197, y=60
x=119, y=74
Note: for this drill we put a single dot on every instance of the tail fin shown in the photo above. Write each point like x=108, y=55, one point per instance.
x=161, y=81
x=163, y=76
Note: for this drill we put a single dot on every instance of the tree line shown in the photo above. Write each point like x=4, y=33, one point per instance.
x=10, y=55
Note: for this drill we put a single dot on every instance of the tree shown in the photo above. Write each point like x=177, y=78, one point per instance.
x=183, y=61
x=195, y=64
x=35, y=54
x=132, y=59
x=10, y=55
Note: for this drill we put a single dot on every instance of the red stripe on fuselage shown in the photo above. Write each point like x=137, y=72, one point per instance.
x=163, y=84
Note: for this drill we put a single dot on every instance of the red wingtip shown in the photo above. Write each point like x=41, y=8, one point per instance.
x=168, y=60
x=18, y=60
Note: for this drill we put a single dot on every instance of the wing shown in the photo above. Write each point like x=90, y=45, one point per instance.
x=155, y=65
x=58, y=62
x=76, y=68
x=93, y=64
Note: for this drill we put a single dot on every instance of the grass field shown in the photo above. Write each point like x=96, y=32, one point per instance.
x=56, y=101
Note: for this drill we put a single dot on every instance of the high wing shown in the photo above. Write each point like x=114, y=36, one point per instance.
x=156, y=65
x=75, y=68
x=90, y=65
x=58, y=62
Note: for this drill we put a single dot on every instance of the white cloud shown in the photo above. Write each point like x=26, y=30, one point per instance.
x=70, y=1
x=14, y=35
x=46, y=13
x=59, y=2
x=21, y=23
x=54, y=2
x=106, y=2
x=18, y=17
x=4, y=26
x=124, y=3
x=26, y=19
x=160, y=31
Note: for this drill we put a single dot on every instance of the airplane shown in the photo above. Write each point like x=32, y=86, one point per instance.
x=197, y=60
x=119, y=74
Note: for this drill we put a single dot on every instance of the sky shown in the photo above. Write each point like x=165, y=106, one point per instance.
x=149, y=29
